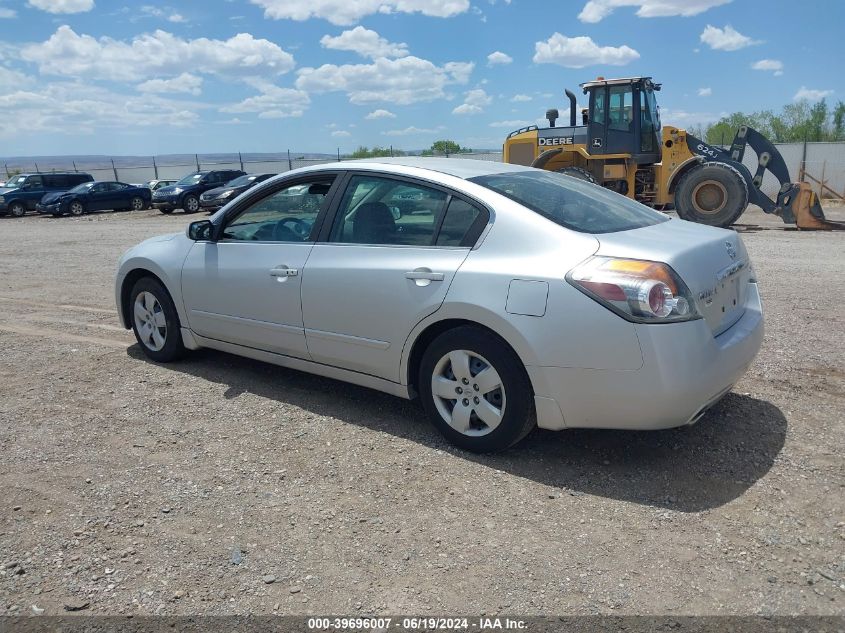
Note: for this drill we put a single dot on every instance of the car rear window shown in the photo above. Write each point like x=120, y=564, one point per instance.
x=570, y=202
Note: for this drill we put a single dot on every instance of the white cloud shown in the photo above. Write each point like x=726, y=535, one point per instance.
x=341, y=134
x=474, y=102
x=409, y=131
x=705, y=92
x=186, y=83
x=773, y=65
x=153, y=54
x=726, y=39
x=7, y=14
x=477, y=97
x=365, y=42
x=512, y=124
x=498, y=57
x=159, y=12
x=597, y=10
x=82, y=108
x=682, y=117
x=273, y=102
x=399, y=81
x=346, y=12
x=62, y=6
x=578, y=52
x=12, y=80
x=521, y=98
x=380, y=114
x=466, y=108
x=811, y=94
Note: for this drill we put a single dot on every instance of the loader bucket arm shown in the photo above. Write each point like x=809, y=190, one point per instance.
x=796, y=202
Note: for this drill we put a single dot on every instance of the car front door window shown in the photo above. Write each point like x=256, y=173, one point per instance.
x=287, y=215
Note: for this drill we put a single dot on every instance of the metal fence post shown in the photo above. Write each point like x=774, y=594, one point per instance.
x=197, y=159
x=155, y=168
x=6, y=167
x=803, y=168
x=241, y=161
x=74, y=166
x=338, y=154
x=290, y=164
x=114, y=169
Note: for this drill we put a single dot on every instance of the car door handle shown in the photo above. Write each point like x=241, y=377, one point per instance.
x=424, y=274
x=283, y=271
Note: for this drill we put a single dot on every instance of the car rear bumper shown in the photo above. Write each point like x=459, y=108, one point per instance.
x=48, y=209
x=210, y=205
x=685, y=371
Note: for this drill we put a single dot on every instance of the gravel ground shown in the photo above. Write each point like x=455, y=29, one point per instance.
x=220, y=485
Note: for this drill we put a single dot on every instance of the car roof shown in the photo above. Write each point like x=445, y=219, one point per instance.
x=459, y=167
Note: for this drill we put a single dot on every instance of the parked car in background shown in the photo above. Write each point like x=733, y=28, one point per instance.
x=186, y=193
x=96, y=196
x=155, y=185
x=522, y=297
x=22, y=193
x=215, y=198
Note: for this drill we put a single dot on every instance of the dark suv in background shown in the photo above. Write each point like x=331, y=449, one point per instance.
x=185, y=194
x=24, y=191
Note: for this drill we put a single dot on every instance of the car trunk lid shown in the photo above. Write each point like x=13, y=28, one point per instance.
x=712, y=262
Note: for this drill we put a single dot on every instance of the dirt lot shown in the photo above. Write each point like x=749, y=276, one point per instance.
x=223, y=485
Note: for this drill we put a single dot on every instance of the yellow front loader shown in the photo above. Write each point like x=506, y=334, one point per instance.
x=621, y=144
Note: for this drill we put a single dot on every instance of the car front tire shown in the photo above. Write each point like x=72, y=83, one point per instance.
x=475, y=390
x=76, y=208
x=17, y=210
x=137, y=204
x=191, y=204
x=155, y=321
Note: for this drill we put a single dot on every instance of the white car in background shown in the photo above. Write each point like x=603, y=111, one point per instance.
x=510, y=296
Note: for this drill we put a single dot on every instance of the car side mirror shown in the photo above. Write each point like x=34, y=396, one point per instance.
x=201, y=231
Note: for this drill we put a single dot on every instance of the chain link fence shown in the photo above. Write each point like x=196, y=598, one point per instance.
x=820, y=164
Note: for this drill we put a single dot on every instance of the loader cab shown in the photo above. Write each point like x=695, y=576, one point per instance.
x=623, y=118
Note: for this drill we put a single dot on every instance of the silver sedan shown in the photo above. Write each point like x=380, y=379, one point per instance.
x=503, y=297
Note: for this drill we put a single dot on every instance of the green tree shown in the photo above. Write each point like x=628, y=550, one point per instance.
x=445, y=147
x=375, y=152
x=795, y=123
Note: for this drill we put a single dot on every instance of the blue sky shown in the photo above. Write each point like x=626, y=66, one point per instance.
x=110, y=77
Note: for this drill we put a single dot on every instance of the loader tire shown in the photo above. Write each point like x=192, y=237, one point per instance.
x=711, y=193
x=579, y=173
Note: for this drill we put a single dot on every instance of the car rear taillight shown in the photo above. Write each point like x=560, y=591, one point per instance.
x=638, y=290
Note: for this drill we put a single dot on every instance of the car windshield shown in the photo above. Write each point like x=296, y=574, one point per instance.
x=85, y=186
x=192, y=179
x=570, y=202
x=16, y=182
x=241, y=181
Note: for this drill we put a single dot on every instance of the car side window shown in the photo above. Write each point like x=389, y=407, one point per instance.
x=460, y=218
x=34, y=182
x=116, y=186
x=376, y=210
x=100, y=187
x=286, y=215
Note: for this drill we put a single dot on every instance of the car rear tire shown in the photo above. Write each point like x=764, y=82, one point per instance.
x=17, y=210
x=475, y=390
x=191, y=204
x=76, y=208
x=711, y=193
x=155, y=321
x=137, y=204
x=579, y=173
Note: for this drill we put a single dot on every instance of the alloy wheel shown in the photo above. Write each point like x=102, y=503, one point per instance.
x=468, y=393
x=150, y=321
